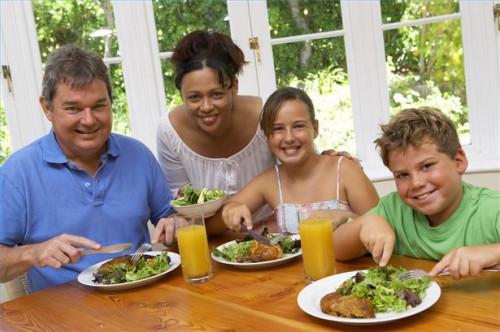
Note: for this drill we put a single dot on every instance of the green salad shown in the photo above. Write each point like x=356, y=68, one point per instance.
x=381, y=285
x=192, y=195
x=120, y=269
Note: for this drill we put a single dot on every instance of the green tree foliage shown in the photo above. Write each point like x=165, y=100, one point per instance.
x=5, y=148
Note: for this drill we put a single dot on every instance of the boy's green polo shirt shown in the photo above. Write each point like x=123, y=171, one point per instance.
x=475, y=222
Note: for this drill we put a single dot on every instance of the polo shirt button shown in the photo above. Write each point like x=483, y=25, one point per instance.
x=87, y=184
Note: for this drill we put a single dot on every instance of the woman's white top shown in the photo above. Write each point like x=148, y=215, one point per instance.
x=181, y=165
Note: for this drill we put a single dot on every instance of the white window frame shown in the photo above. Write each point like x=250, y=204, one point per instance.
x=362, y=31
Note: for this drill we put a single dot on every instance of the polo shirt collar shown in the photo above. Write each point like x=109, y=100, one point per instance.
x=52, y=152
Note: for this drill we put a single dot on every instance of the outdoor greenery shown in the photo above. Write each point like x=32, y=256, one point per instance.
x=424, y=63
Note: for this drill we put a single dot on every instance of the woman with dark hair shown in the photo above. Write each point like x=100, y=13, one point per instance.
x=213, y=139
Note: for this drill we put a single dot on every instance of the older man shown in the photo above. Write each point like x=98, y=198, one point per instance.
x=80, y=186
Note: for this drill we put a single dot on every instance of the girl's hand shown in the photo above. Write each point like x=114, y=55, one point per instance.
x=234, y=214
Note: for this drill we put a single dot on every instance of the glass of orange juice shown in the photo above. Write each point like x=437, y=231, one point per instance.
x=193, y=248
x=318, y=251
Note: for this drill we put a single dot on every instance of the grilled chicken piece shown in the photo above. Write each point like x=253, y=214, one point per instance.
x=347, y=306
x=260, y=252
x=108, y=266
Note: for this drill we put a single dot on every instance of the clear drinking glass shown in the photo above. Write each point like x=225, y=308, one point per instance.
x=318, y=251
x=193, y=249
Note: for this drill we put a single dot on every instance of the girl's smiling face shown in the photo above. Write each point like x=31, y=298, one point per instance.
x=429, y=181
x=293, y=132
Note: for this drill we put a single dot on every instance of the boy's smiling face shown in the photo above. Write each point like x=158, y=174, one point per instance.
x=428, y=180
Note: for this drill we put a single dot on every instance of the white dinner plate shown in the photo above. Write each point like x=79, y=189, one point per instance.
x=256, y=265
x=310, y=296
x=86, y=277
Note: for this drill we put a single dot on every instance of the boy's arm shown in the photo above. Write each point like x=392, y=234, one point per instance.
x=368, y=233
x=468, y=261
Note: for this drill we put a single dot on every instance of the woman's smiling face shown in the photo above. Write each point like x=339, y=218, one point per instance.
x=429, y=181
x=292, y=133
x=208, y=102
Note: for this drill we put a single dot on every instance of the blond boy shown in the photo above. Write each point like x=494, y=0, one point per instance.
x=434, y=214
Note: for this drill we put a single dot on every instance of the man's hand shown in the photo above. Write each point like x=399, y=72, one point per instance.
x=60, y=250
x=165, y=230
x=468, y=261
x=378, y=238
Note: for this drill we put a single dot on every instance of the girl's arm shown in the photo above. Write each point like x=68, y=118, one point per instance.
x=360, y=192
x=240, y=207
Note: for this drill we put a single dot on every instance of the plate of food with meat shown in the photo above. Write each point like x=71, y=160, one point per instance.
x=120, y=273
x=366, y=297
x=249, y=253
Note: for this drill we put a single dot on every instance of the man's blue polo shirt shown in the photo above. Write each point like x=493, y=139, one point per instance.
x=43, y=195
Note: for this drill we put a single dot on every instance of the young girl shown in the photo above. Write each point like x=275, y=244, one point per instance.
x=333, y=185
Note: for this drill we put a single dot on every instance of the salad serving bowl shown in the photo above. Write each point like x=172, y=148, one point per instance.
x=206, y=209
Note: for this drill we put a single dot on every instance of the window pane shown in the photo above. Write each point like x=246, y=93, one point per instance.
x=426, y=68
x=408, y=10
x=317, y=66
x=121, y=123
x=5, y=147
x=175, y=19
x=299, y=17
x=326, y=82
x=90, y=25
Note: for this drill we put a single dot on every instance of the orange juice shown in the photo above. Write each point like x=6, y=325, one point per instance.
x=195, y=257
x=318, y=252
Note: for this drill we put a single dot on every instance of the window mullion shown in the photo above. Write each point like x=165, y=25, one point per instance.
x=20, y=52
x=482, y=77
x=136, y=31
x=365, y=55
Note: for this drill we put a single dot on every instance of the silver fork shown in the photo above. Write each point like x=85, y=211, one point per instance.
x=418, y=273
x=412, y=274
x=140, y=251
x=277, y=239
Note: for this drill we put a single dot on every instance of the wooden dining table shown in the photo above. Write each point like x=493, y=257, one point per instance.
x=238, y=299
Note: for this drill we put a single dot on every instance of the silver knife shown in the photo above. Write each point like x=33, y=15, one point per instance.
x=255, y=235
x=108, y=249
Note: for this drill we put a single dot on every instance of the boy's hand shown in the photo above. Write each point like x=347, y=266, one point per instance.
x=378, y=238
x=467, y=261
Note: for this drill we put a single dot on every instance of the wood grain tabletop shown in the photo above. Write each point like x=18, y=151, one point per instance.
x=240, y=300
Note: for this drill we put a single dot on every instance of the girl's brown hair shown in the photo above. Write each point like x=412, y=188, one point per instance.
x=274, y=102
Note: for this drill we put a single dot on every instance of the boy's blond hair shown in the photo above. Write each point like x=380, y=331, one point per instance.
x=412, y=127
